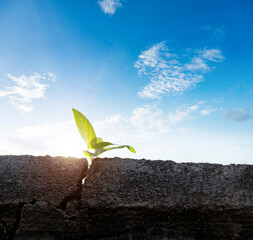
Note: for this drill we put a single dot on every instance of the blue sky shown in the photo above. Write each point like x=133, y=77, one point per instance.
x=174, y=79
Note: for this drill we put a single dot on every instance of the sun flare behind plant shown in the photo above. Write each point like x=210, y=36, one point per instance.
x=95, y=145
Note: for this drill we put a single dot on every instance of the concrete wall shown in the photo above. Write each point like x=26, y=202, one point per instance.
x=44, y=198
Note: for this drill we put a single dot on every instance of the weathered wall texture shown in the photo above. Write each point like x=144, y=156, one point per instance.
x=42, y=198
x=27, y=180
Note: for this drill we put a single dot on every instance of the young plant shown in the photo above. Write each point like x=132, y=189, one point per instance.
x=95, y=145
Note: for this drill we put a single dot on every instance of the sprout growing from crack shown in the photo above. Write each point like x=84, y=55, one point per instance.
x=95, y=145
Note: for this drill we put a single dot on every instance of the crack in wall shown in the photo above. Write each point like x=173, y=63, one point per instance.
x=11, y=226
x=195, y=221
x=18, y=220
x=21, y=205
x=76, y=194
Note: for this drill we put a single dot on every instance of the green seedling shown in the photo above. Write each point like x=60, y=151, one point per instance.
x=95, y=145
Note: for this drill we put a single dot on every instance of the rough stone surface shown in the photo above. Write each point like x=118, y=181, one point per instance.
x=194, y=200
x=42, y=221
x=8, y=219
x=140, y=199
x=142, y=183
x=29, y=179
x=44, y=178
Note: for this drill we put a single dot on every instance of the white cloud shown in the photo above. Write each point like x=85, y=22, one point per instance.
x=52, y=76
x=149, y=120
x=27, y=88
x=185, y=113
x=143, y=123
x=201, y=102
x=23, y=108
x=178, y=116
x=214, y=55
x=109, y=6
x=154, y=57
x=208, y=111
x=181, y=115
x=238, y=115
x=115, y=126
x=109, y=121
x=193, y=108
x=169, y=76
x=197, y=64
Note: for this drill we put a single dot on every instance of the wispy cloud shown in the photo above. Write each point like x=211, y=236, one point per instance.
x=197, y=64
x=181, y=115
x=27, y=88
x=144, y=122
x=149, y=119
x=190, y=112
x=168, y=74
x=213, y=55
x=178, y=116
x=208, y=111
x=238, y=115
x=109, y=6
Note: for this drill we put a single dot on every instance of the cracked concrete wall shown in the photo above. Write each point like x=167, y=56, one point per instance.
x=141, y=198
x=128, y=199
x=29, y=180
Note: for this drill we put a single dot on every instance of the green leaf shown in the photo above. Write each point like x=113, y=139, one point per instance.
x=99, y=140
x=88, y=154
x=84, y=127
x=103, y=144
x=97, y=143
x=98, y=151
x=131, y=149
x=94, y=142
